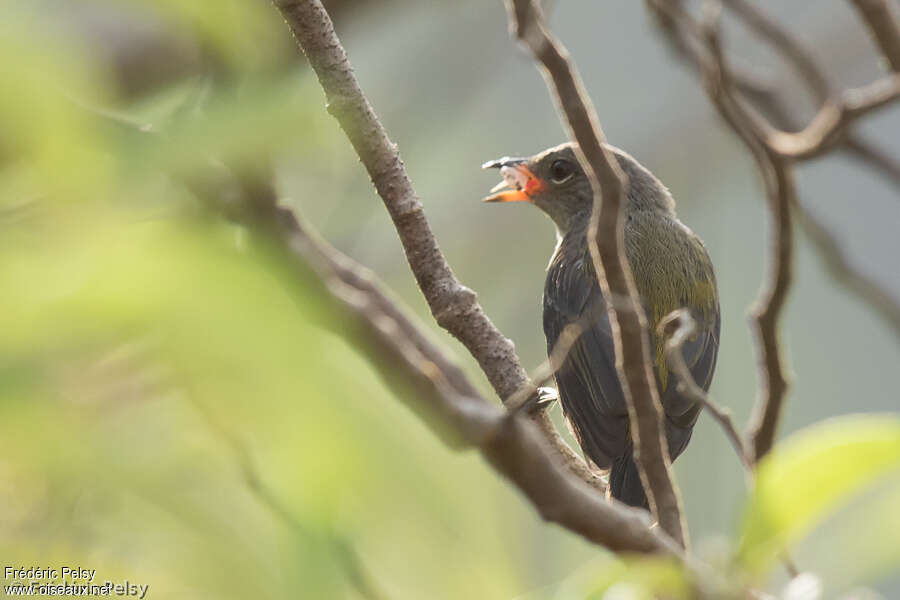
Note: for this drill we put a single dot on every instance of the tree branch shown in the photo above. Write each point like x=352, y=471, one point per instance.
x=884, y=28
x=873, y=157
x=453, y=305
x=678, y=326
x=787, y=46
x=775, y=150
x=778, y=178
x=547, y=369
x=408, y=360
x=865, y=287
x=606, y=241
x=817, y=84
x=765, y=313
x=683, y=37
x=833, y=118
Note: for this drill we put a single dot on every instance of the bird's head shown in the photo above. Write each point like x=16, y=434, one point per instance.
x=554, y=181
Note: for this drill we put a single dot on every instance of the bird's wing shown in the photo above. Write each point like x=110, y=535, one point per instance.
x=589, y=388
x=681, y=412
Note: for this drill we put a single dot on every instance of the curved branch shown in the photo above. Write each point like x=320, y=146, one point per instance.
x=814, y=139
x=766, y=310
x=606, y=243
x=833, y=119
x=775, y=151
x=817, y=84
x=679, y=326
x=683, y=36
x=778, y=178
x=883, y=26
x=790, y=48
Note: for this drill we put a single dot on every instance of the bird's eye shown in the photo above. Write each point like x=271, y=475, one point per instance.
x=561, y=170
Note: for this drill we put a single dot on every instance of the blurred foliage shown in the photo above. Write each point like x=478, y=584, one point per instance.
x=811, y=474
x=173, y=412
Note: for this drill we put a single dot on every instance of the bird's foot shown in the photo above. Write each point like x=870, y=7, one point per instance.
x=544, y=397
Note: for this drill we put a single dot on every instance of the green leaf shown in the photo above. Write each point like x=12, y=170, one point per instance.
x=635, y=578
x=232, y=28
x=811, y=475
x=866, y=529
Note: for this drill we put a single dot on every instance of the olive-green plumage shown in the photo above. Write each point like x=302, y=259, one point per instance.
x=671, y=270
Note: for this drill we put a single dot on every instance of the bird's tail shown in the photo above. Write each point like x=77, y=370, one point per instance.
x=625, y=483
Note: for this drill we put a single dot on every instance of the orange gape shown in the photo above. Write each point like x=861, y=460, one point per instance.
x=521, y=179
x=533, y=185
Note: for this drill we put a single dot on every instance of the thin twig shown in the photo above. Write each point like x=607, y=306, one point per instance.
x=833, y=119
x=453, y=305
x=548, y=368
x=787, y=46
x=777, y=175
x=775, y=149
x=606, y=242
x=872, y=157
x=678, y=326
x=765, y=313
x=684, y=37
x=883, y=26
x=864, y=287
x=817, y=84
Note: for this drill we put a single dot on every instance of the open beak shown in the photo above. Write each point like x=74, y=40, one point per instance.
x=519, y=183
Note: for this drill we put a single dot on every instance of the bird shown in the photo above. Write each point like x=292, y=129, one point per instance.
x=672, y=269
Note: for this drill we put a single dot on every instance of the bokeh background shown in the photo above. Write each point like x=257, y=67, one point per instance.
x=175, y=408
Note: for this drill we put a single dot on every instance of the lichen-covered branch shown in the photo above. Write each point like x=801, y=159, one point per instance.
x=606, y=241
x=453, y=305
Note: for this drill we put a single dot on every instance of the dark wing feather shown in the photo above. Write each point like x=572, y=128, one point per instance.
x=589, y=389
x=681, y=413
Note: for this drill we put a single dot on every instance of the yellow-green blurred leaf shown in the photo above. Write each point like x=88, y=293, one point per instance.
x=47, y=145
x=635, y=578
x=245, y=34
x=867, y=529
x=811, y=474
